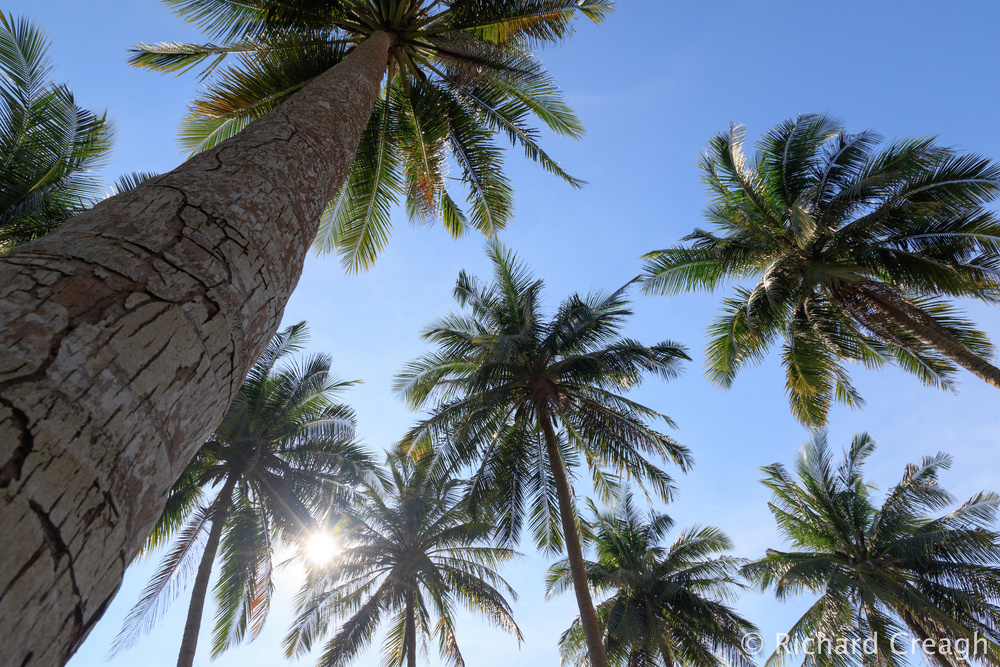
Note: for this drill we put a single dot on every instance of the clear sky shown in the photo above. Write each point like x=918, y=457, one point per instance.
x=652, y=86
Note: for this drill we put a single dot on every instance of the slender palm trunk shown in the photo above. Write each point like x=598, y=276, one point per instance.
x=124, y=335
x=189, y=643
x=938, y=339
x=668, y=660
x=574, y=550
x=411, y=631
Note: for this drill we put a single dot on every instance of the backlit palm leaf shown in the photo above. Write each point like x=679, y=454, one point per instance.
x=411, y=552
x=471, y=59
x=283, y=455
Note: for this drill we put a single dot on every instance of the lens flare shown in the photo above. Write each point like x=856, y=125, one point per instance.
x=321, y=548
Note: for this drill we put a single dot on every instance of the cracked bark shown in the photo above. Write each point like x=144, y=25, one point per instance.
x=124, y=335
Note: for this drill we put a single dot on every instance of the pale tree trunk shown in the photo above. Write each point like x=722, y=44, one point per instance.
x=125, y=334
x=937, y=339
x=189, y=642
x=574, y=550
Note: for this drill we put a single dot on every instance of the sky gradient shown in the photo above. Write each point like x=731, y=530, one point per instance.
x=652, y=86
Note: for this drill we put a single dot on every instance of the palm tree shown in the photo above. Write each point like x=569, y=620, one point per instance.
x=526, y=398
x=283, y=453
x=411, y=551
x=136, y=322
x=663, y=602
x=855, y=251
x=48, y=145
x=457, y=77
x=879, y=570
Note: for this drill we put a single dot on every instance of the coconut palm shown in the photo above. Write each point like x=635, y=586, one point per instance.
x=855, y=251
x=411, y=553
x=665, y=605
x=284, y=453
x=524, y=399
x=49, y=146
x=458, y=74
x=137, y=321
x=881, y=571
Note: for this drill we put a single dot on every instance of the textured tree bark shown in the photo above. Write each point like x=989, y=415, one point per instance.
x=574, y=551
x=124, y=336
x=196, y=609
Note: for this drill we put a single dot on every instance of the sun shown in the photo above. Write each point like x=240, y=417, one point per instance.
x=321, y=548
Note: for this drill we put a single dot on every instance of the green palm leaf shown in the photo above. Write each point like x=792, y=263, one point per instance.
x=284, y=456
x=458, y=74
x=852, y=249
x=882, y=571
x=413, y=551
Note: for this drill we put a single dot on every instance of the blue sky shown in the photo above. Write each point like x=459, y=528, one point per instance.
x=652, y=85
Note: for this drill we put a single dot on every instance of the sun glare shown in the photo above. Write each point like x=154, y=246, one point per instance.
x=321, y=548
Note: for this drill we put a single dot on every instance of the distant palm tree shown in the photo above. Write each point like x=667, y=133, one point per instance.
x=458, y=73
x=667, y=604
x=524, y=398
x=882, y=570
x=283, y=453
x=48, y=145
x=411, y=551
x=854, y=251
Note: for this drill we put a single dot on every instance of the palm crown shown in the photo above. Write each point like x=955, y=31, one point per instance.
x=48, y=144
x=880, y=570
x=411, y=552
x=852, y=249
x=504, y=375
x=523, y=399
x=283, y=454
x=459, y=72
x=663, y=602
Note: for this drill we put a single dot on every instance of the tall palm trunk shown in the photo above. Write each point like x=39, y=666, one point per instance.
x=410, y=631
x=574, y=550
x=189, y=643
x=125, y=334
x=935, y=337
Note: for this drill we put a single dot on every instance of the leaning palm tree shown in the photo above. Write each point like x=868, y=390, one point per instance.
x=523, y=399
x=884, y=570
x=411, y=552
x=458, y=74
x=49, y=146
x=283, y=453
x=666, y=605
x=854, y=251
x=136, y=322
